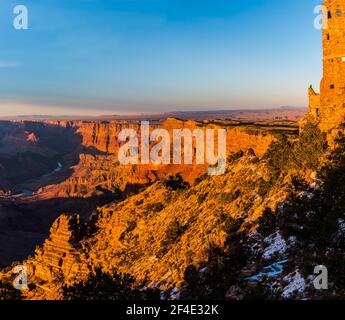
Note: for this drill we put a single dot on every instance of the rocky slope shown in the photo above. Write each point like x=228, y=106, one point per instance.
x=163, y=231
x=207, y=240
x=96, y=169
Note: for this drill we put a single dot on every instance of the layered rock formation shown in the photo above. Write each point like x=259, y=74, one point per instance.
x=61, y=254
x=92, y=176
x=98, y=169
x=164, y=233
x=134, y=236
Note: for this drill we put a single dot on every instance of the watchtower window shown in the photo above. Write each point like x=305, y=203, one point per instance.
x=318, y=112
x=328, y=37
x=332, y=86
x=329, y=15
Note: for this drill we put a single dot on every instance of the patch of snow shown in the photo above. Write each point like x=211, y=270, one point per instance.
x=315, y=186
x=254, y=249
x=296, y=284
x=305, y=194
x=272, y=270
x=341, y=224
x=310, y=279
x=175, y=294
x=255, y=236
x=202, y=270
x=292, y=241
x=161, y=295
x=277, y=245
x=281, y=205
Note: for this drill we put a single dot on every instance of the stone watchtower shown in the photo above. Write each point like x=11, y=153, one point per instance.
x=328, y=107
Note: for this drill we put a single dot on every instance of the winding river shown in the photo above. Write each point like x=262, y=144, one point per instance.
x=27, y=192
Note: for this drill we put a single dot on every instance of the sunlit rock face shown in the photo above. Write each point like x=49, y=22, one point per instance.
x=59, y=253
x=133, y=205
x=328, y=107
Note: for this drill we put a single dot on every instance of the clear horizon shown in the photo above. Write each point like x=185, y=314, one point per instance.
x=129, y=56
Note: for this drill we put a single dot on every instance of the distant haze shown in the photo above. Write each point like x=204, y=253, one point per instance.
x=281, y=114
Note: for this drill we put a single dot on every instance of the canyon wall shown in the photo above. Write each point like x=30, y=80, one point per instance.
x=103, y=135
x=88, y=151
x=98, y=170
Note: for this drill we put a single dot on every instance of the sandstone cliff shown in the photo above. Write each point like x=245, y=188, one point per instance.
x=135, y=236
x=98, y=171
x=134, y=232
x=59, y=257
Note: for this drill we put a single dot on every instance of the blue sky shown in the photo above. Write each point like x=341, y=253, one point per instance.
x=115, y=56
